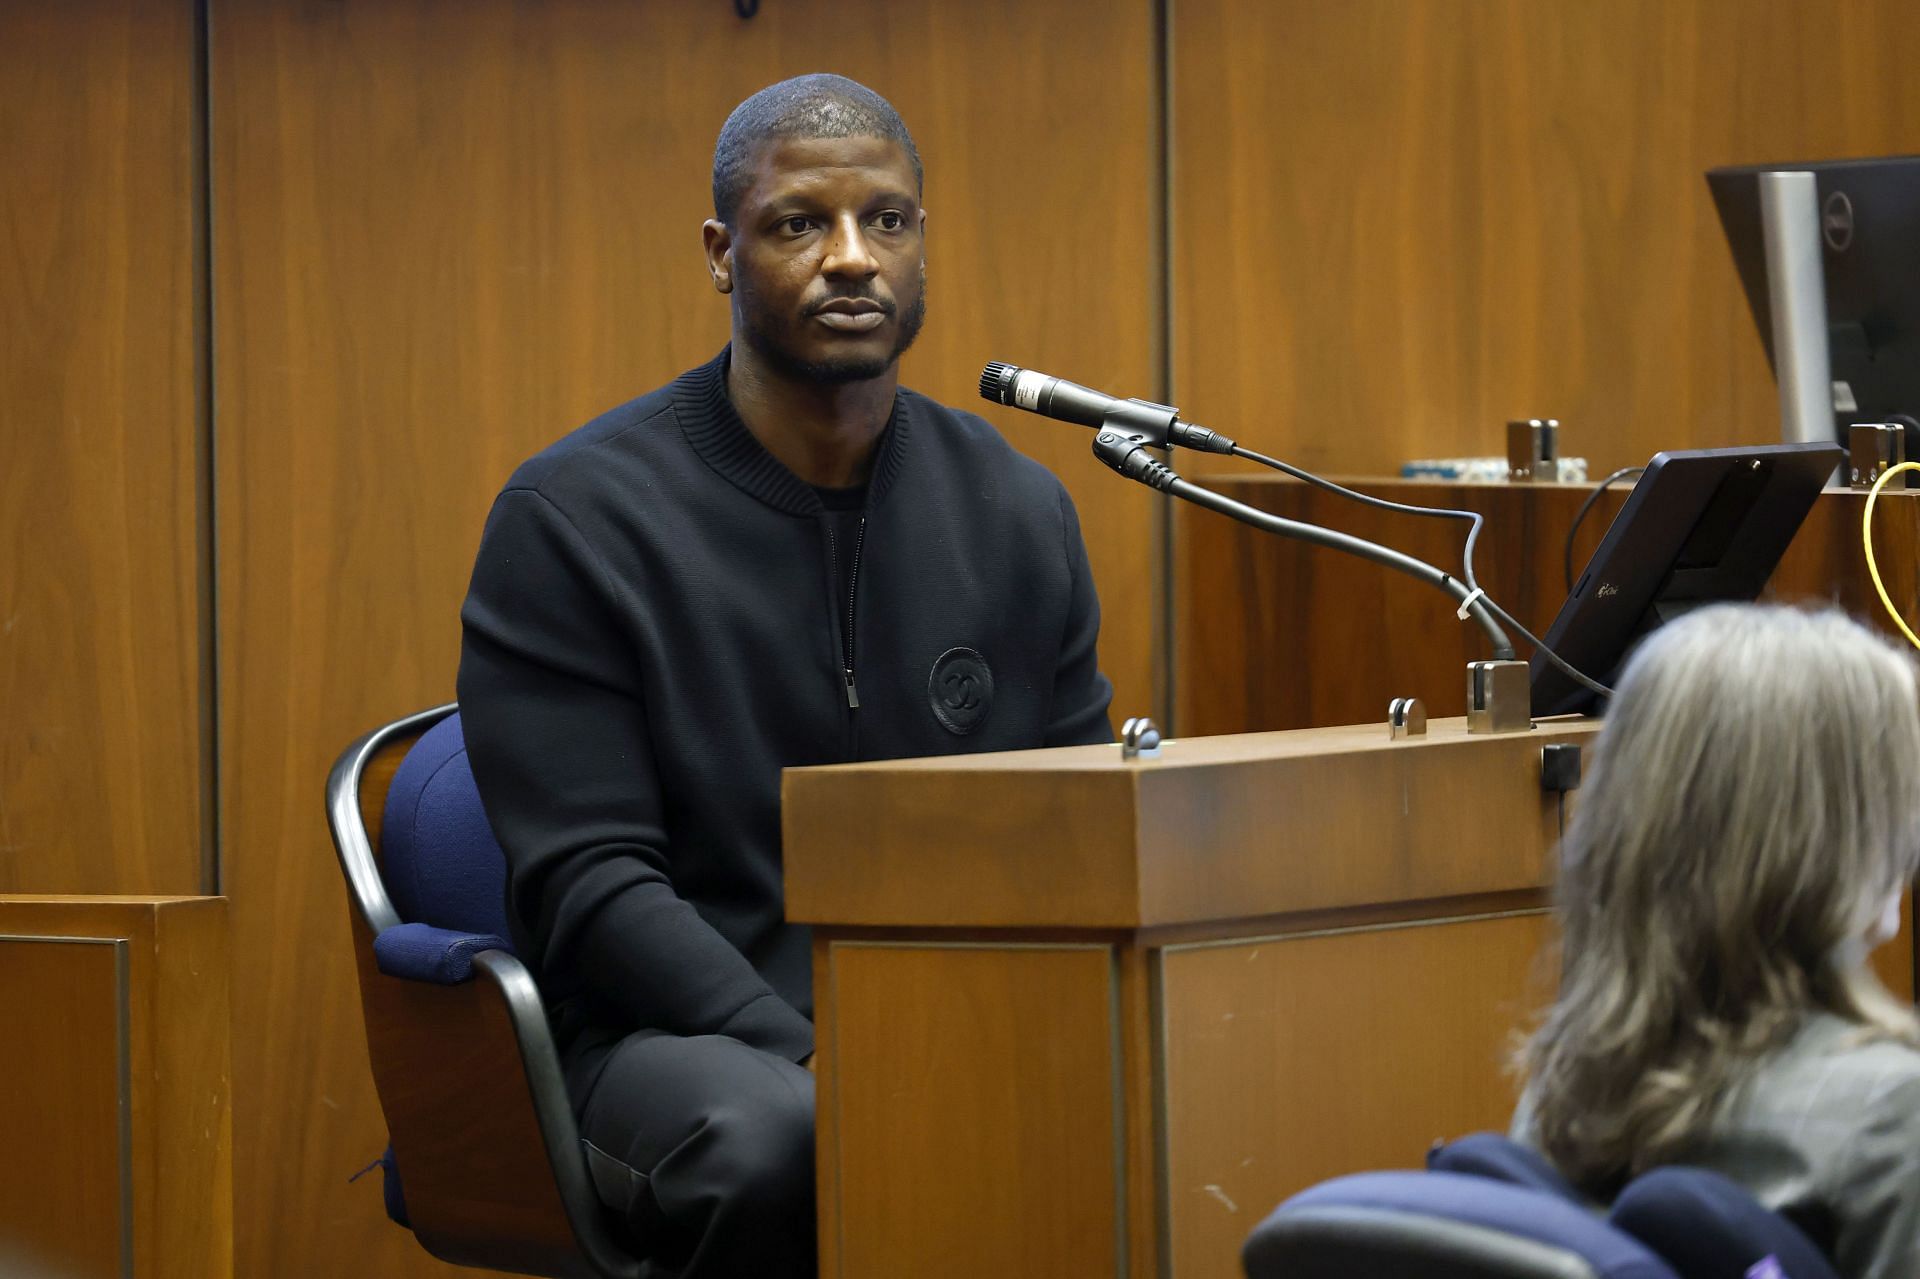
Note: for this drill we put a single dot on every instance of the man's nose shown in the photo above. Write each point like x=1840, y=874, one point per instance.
x=847, y=251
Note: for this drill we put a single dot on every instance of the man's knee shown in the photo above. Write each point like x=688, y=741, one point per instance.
x=763, y=1145
x=721, y=1133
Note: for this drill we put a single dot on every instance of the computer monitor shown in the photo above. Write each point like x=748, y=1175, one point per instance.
x=1702, y=526
x=1870, y=225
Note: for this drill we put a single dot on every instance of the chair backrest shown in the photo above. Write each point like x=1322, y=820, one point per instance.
x=1487, y=1154
x=1440, y=1225
x=1709, y=1227
x=438, y=857
x=1701, y=1224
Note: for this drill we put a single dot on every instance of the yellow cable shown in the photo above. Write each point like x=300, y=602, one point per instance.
x=1866, y=541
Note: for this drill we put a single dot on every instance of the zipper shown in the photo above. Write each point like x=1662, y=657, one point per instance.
x=853, y=595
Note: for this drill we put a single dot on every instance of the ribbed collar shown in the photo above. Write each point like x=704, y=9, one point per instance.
x=708, y=420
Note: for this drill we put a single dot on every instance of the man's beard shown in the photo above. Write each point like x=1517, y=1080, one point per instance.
x=853, y=368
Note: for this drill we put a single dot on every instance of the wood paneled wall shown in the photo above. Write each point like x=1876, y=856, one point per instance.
x=101, y=419
x=446, y=233
x=1398, y=223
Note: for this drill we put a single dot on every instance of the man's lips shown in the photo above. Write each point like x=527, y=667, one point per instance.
x=852, y=321
x=851, y=315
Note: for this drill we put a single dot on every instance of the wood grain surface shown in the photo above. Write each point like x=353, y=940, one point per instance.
x=1293, y=1059
x=1221, y=828
x=935, y=1065
x=116, y=1087
x=447, y=233
x=1314, y=936
x=1277, y=634
x=61, y=1185
x=191, y=1200
x=102, y=769
x=1398, y=223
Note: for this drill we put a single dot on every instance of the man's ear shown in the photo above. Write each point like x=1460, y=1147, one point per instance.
x=719, y=243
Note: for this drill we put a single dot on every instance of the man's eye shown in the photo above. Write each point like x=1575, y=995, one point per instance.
x=891, y=221
x=796, y=225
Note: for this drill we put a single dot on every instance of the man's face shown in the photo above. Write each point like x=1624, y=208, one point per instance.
x=826, y=258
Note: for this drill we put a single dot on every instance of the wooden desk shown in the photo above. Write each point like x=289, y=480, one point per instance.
x=1084, y=1017
x=114, y=1088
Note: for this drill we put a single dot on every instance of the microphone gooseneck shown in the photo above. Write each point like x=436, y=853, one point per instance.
x=1127, y=429
x=1133, y=461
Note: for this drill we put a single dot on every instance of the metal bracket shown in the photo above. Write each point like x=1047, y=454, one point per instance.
x=1873, y=448
x=1533, y=449
x=1499, y=697
x=1406, y=717
x=1128, y=427
x=1139, y=739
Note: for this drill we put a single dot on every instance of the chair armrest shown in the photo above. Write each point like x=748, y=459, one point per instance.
x=421, y=952
x=482, y=1130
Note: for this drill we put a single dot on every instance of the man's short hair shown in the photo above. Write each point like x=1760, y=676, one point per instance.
x=808, y=106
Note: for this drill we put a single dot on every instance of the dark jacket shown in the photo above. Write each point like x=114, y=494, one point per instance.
x=654, y=630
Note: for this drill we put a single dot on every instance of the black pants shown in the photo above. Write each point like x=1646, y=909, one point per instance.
x=705, y=1147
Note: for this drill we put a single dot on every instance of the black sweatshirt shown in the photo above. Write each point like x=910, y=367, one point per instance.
x=655, y=628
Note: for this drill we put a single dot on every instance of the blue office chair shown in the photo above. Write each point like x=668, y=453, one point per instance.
x=1440, y=1225
x=1488, y=1208
x=1710, y=1228
x=1703, y=1224
x=1488, y=1154
x=486, y=1166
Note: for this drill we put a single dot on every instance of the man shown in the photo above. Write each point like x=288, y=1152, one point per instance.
x=778, y=559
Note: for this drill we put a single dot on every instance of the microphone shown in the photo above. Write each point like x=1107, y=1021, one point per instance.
x=1070, y=402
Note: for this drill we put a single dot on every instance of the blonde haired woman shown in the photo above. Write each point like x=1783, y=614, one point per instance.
x=1750, y=821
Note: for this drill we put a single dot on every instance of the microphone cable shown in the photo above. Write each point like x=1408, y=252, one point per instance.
x=1580, y=515
x=1476, y=523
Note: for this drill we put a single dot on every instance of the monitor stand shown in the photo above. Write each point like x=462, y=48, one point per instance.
x=1797, y=293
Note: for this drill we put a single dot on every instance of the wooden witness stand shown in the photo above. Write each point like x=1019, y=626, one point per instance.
x=1086, y=1016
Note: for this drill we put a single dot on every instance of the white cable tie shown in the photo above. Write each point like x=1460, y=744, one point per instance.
x=1466, y=605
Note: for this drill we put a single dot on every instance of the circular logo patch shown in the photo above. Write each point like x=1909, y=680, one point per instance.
x=960, y=690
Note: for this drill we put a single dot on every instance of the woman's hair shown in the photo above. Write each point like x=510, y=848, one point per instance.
x=1750, y=808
